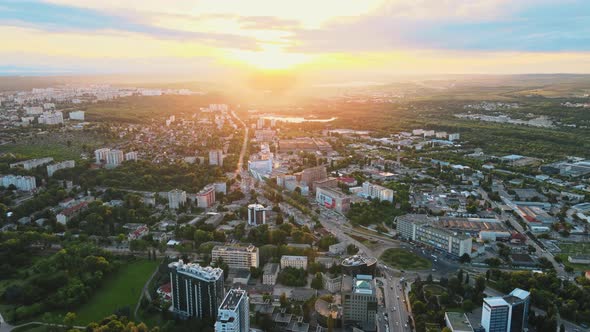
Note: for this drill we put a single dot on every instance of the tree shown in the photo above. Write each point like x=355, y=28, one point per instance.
x=468, y=305
x=465, y=258
x=69, y=319
x=283, y=300
x=317, y=282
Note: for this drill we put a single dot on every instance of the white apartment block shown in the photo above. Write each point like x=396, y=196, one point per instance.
x=237, y=257
x=298, y=262
x=77, y=115
x=24, y=183
x=61, y=165
x=115, y=158
x=51, y=118
x=234, y=312
x=377, y=192
x=131, y=156
x=32, y=163
x=100, y=155
x=216, y=158
x=176, y=198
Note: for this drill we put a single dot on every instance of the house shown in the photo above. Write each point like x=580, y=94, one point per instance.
x=138, y=233
x=67, y=214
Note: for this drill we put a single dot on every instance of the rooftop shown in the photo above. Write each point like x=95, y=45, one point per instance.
x=206, y=273
x=458, y=321
x=358, y=260
x=232, y=299
x=249, y=248
x=496, y=301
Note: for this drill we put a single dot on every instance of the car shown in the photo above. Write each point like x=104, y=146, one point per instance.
x=394, y=308
x=398, y=296
x=405, y=325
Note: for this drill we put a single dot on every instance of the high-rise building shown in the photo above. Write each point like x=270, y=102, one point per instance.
x=176, y=198
x=377, y=192
x=236, y=257
x=359, y=302
x=506, y=314
x=132, y=155
x=234, y=312
x=115, y=158
x=256, y=214
x=216, y=158
x=196, y=291
x=260, y=123
x=100, y=155
x=62, y=165
x=206, y=197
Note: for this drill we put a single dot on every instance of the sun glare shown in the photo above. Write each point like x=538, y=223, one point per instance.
x=271, y=57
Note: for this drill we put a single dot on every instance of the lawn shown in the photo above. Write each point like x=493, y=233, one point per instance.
x=120, y=290
x=434, y=289
x=404, y=260
x=40, y=150
x=577, y=267
x=575, y=248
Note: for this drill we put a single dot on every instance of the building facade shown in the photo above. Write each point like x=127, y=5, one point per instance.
x=333, y=199
x=216, y=158
x=237, y=257
x=256, y=214
x=100, y=155
x=359, y=302
x=115, y=158
x=196, y=291
x=233, y=314
x=506, y=314
x=377, y=192
x=206, y=197
x=176, y=198
x=419, y=228
x=270, y=274
x=24, y=183
x=62, y=165
x=298, y=262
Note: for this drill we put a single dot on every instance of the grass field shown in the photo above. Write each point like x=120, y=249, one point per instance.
x=40, y=150
x=404, y=260
x=575, y=248
x=120, y=290
x=434, y=289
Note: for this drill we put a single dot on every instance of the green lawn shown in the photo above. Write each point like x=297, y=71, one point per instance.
x=40, y=150
x=575, y=248
x=577, y=267
x=434, y=289
x=404, y=260
x=120, y=290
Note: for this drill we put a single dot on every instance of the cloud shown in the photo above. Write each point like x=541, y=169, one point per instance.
x=58, y=18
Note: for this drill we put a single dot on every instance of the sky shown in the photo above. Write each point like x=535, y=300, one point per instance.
x=328, y=39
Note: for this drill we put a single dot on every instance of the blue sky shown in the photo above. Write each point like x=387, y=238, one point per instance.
x=77, y=35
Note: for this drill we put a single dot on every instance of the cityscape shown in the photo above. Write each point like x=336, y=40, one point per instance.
x=303, y=167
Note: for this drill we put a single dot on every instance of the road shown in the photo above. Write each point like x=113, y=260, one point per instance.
x=244, y=145
x=540, y=252
x=395, y=302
